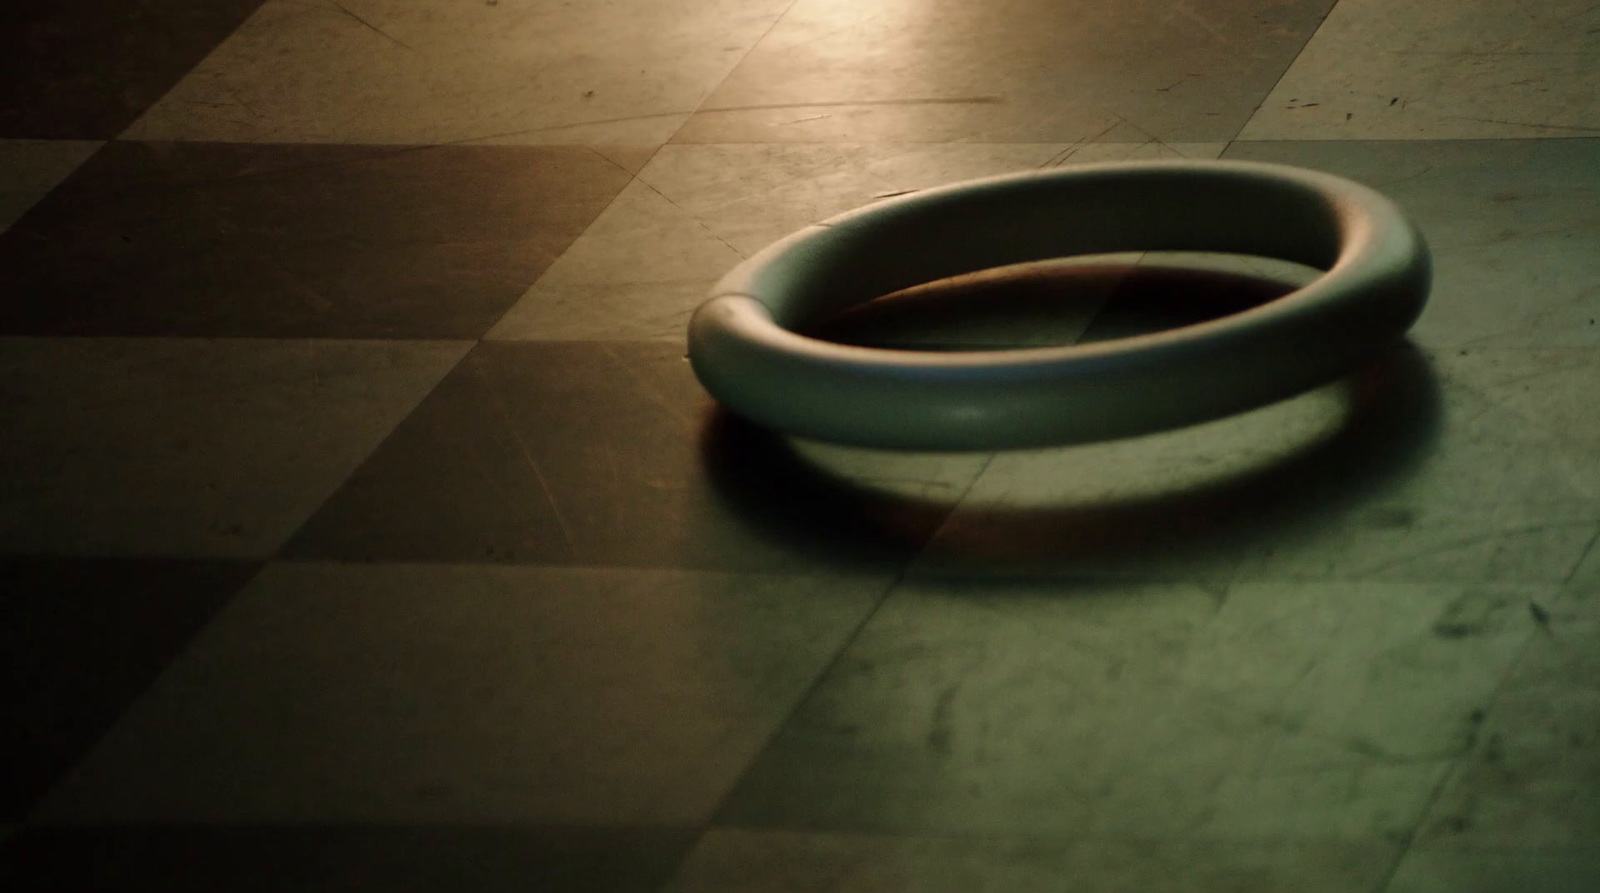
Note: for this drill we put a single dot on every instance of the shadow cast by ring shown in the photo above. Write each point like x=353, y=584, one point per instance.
x=1391, y=421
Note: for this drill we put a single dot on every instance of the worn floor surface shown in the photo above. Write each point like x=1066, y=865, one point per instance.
x=362, y=526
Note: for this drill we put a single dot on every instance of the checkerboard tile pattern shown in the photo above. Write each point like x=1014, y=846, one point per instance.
x=362, y=525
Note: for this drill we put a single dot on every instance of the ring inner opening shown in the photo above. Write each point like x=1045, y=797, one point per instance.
x=1066, y=301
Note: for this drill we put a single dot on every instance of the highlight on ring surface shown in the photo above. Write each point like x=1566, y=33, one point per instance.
x=746, y=350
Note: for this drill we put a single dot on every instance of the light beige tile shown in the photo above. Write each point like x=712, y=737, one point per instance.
x=1533, y=780
x=636, y=273
x=1010, y=71
x=603, y=311
x=1440, y=69
x=696, y=211
x=925, y=165
x=31, y=168
x=1146, y=150
x=1295, y=711
x=630, y=158
x=391, y=71
x=643, y=236
x=1504, y=871
x=976, y=118
x=729, y=859
x=191, y=447
x=753, y=194
x=449, y=694
x=652, y=256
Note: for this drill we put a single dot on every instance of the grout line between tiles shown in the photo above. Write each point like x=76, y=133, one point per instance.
x=27, y=817
x=635, y=177
x=698, y=221
x=945, y=522
x=735, y=67
x=632, y=178
x=1578, y=565
x=1456, y=765
x=277, y=551
x=810, y=690
x=710, y=822
x=1283, y=74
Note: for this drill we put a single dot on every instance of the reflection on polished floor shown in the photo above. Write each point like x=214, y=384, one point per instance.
x=363, y=527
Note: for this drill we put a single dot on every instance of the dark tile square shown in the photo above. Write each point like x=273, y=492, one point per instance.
x=190, y=447
x=85, y=69
x=349, y=859
x=223, y=240
x=79, y=640
x=331, y=693
x=593, y=453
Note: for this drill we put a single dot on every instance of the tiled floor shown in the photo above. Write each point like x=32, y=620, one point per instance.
x=362, y=526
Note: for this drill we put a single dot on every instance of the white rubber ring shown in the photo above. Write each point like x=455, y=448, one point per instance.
x=746, y=353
